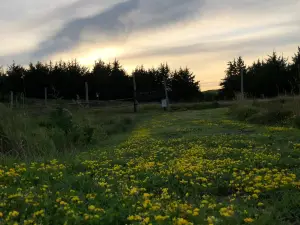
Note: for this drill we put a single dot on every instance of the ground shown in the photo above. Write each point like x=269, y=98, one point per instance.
x=192, y=167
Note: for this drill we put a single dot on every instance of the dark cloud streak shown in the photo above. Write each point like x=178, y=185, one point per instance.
x=109, y=25
x=243, y=46
x=68, y=37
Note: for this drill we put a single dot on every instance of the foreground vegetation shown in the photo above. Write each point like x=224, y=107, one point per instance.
x=191, y=167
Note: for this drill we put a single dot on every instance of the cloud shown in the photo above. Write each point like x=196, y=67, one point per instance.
x=115, y=23
x=246, y=40
x=70, y=35
x=183, y=32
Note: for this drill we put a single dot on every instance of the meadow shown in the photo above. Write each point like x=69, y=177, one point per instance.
x=180, y=167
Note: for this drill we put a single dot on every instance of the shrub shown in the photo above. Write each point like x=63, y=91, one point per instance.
x=63, y=119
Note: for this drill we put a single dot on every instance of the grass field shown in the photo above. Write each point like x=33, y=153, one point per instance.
x=191, y=167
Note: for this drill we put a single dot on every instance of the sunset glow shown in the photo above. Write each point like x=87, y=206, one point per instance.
x=203, y=35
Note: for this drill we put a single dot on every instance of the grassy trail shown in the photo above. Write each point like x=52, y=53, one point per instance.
x=193, y=167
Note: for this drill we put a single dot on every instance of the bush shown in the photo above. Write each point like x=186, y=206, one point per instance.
x=61, y=122
x=63, y=119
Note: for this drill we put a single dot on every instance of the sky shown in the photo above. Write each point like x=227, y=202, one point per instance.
x=202, y=35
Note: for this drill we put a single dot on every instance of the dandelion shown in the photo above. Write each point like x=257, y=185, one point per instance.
x=91, y=208
x=134, y=218
x=146, y=220
x=28, y=222
x=255, y=196
x=260, y=204
x=39, y=213
x=63, y=203
x=91, y=196
x=195, y=213
x=226, y=212
x=181, y=221
x=14, y=213
x=211, y=220
x=133, y=191
x=161, y=218
x=86, y=217
x=248, y=220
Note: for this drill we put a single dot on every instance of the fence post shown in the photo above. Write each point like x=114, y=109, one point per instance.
x=134, y=94
x=11, y=99
x=23, y=100
x=87, y=93
x=242, y=83
x=46, y=96
x=299, y=77
x=166, y=92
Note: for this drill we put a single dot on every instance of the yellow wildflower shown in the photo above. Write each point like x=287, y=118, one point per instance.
x=63, y=203
x=133, y=218
x=211, y=220
x=14, y=213
x=248, y=220
x=146, y=220
x=133, y=191
x=39, y=213
x=91, y=207
x=27, y=222
x=260, y=204
x=255, y=196
x=181, y=221
x=161, y=218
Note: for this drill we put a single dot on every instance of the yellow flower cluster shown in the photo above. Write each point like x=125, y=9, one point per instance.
x=172, y=169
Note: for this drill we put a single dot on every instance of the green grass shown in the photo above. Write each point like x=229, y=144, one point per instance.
x=187, y=167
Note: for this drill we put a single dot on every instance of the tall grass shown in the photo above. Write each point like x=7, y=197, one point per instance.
x=30, y=135
x=20, y=136
x=284, y=111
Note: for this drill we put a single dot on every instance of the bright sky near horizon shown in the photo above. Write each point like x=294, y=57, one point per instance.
x=200, y=34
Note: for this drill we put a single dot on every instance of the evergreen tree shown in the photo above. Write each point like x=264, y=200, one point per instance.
x=184, y=86
x=270, y=77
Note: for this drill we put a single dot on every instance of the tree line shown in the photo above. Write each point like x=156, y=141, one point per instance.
x=269, y=77
x=106, y=81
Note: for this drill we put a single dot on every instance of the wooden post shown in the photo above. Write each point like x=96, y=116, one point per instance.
x=46, y=96
x=242, y=83
x=23, y=99
x=11, y=99
x=166, y=92
x=134, y=94
x=87, y=93
x=299, y=77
